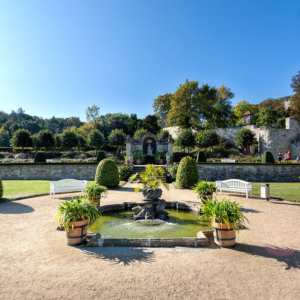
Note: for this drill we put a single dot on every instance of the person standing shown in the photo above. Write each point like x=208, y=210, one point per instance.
x=288, y=156
x=280, y=156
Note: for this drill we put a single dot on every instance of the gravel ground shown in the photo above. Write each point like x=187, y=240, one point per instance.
x=35, y=262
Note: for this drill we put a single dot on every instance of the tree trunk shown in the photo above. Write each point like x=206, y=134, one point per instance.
x=22, y=149
x=70, y=150
x=96, y=151
x=45, y=150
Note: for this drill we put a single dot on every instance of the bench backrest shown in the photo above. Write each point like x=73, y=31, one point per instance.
x=227, y=160
x=234, y=183
x=69, y=183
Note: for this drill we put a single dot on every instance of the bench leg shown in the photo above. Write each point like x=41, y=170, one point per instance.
x=50, y=193
x=54, y=194
x=247, y=194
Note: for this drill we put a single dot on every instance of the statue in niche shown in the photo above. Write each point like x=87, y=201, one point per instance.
x=150, y=150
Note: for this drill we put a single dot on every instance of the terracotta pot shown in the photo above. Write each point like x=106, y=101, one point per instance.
x=77, y=235
x=224, y=235
x=138, y=161
x=161, y=161
x=95, y=199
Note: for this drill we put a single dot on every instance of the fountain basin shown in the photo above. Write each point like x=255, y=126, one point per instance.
x=183, y=228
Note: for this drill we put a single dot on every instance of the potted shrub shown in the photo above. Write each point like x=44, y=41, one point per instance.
x=205, y=190
x=162, y=157
x=94, y=192
x=226, y=217
x=126, y=159
x=138, y=155
x=74, y=216
x=150, y=183
x=124, y=172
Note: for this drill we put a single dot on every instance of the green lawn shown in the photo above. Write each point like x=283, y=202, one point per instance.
x=24, y=188
x=284, y=190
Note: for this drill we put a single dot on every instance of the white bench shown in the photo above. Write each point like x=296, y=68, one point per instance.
x=67, y=185
x=227, y=160
x=234, y=185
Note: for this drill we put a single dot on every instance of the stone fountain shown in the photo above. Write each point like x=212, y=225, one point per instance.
x=151, y=207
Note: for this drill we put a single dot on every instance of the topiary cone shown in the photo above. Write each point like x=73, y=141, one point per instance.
x=201, y=157
x=267, y=158
x=40, y=157
x=107, y=173
x=187, y=174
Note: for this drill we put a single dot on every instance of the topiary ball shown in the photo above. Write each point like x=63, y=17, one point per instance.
x=100, y=156
x=1, y=188
x=201, y=157
x=40, y=157
x=267, y=158
x=107, y=173
x=187, y=174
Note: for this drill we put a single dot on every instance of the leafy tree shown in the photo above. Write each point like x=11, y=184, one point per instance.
x=221, y=111
x=163, y=134
x=139, y=133
x=131, y=124
x=81, y=141
x=69, y=139
x=267, y=116
x=95, y=139
x=242, y=106
x=36, y=142
x=117, y=138
x=21, y=138
x=185, y=139
x=4, y=138
x=274, y=104
x=191, y=104
x=151, y=124
x=46, y=139
x=245, y=137
x=162, y=104
x=32, y=126
x=92, y=114
x=58, y=141
x=295, y=101
x=207, y=138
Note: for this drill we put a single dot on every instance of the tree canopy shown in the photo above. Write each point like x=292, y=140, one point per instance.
x=207, y=138
x=185, y=139
x=21, y=138
x=95, y=139
x=295, y=101
x=245, y=137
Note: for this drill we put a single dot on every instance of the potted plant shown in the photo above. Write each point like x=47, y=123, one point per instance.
x=74, y=216
x=124, y=172
x=205, y=190
x=138, y=155
x=150, y=183
x=126, y=159
x=226, y=217
x=162, y=157
x=94, y=192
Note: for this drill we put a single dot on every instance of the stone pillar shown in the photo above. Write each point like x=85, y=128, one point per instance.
x=128, y=146
x=170, y=145
x=252, y=149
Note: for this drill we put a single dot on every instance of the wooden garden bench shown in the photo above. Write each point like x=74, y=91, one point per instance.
x=67, y=185
x=234, y=185
x=227, y=160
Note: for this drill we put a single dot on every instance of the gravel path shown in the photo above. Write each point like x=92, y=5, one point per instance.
x=35, y=263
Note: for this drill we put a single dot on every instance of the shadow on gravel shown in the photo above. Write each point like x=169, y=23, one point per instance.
x=126, y=189
x=14, y=208
x=290, y=257
x=284, y=203
x=120, y=255
x=250, y=210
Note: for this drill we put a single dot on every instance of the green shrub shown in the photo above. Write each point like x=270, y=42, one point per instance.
x=201, y=157
x=173, y=171
x=107, y=173
x=125, y=172
x=100, y=156
x=40, y=157
x=187, y=174
x=267, y=158
x=1, y=188
x=177, y=156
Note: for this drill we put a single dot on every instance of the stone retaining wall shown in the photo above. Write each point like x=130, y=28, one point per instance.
x=47, y=171
x=251, y=172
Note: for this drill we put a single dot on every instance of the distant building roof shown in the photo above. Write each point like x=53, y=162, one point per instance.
x=247, y=113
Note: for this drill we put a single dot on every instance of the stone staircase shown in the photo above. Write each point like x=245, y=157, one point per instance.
x=141, y=168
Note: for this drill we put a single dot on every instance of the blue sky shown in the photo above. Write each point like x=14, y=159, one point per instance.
x=58, y=57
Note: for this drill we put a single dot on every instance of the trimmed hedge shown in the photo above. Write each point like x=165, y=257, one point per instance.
x=177, y=156
x=100, y=156
x=267, y=158
x=187, y=174
x=1, y=188
x=6, y=149
x=201, y=157
x=40, y=157
x=107, y=173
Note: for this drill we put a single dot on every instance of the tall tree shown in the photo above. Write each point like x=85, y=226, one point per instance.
x=46, y=139
x=191, y=104
x=151, y=124
x=21, y=138
x=162, y=104
x=245, y=137
x=95, y=139
x=207, y=138
x=186, y=139
x=139, y=133
x=69, y=139
x=117, y=138
x=4, y=138
x=92, y=114
x=295, y=101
